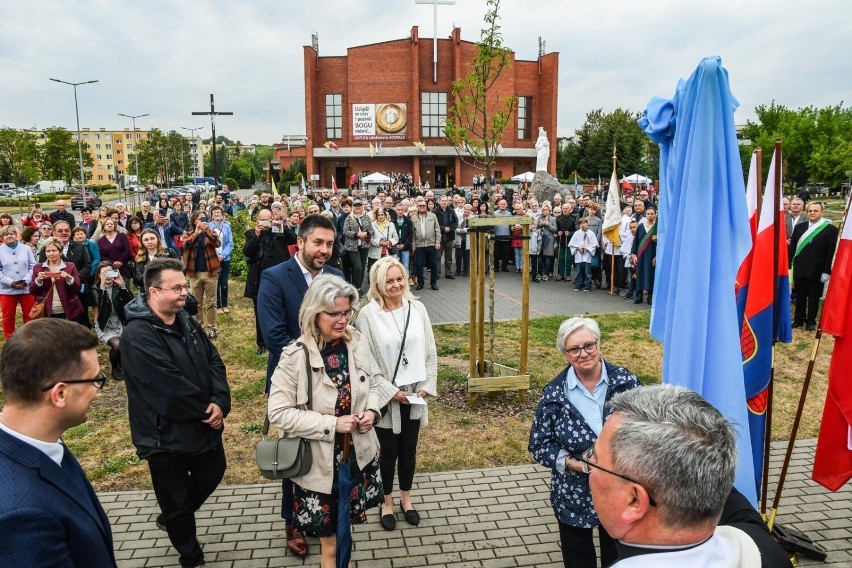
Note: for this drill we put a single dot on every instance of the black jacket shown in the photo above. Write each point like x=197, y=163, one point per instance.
x=447, y=218
x=105, y=305
x=77, y=254
x=566, y=224
x=405, y=232
x=265, y=251
x=171, y=379
x=140, y=265
x=63, y=216
x=815, y=259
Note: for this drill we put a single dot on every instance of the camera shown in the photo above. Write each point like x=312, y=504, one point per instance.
x=111, y=274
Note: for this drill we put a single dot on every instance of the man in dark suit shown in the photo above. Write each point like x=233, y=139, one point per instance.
x=279, y=299
x=811, y=252
x=49, y=513
x=794, y=217
x=62, y=214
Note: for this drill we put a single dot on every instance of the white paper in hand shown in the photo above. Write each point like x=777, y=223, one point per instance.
x=414, y=399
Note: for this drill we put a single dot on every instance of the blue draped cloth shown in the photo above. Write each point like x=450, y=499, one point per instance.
x=703, y=236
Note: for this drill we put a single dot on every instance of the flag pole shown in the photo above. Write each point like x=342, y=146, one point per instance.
x=800, y=410
x=776, y=235
x=612, y=256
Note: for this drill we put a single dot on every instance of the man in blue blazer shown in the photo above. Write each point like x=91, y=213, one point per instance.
x=49, y=513
x=282, y=289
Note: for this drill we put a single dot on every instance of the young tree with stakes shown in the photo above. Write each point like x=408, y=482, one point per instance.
x=477, y=116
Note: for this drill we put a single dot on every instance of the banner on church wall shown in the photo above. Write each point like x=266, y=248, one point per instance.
x=381, y=121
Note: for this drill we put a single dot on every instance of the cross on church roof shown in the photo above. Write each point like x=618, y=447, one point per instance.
x=435, y=31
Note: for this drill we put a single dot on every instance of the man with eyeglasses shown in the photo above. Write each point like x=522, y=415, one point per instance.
x=427, y=243
x=177, y=406
x=279, y=298
x=661, y=474
x=49, y=513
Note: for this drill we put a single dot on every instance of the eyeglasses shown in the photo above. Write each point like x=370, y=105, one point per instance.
x=98, y=381
x=338, y=315
x=62, y=230
x=175, y=289
x=589, y=455
x=590, y=347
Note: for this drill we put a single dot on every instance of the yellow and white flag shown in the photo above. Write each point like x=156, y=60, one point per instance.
x=612, y=216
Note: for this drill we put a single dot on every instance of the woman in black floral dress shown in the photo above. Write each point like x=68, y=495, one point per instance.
x=344, y=401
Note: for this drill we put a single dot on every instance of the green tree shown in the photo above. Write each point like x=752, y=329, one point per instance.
x=60, y=158
x=162, y=157
x=603, y=130
x=816, y=142
x=242, y=170
x=262, y=155
x=567, y=158
x=293, y=175
x=223, y=161
x=478, y=115
x=19, y=157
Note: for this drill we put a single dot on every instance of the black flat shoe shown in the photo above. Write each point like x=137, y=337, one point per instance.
x=412, y=517
x=388, y=522
x=419, y=287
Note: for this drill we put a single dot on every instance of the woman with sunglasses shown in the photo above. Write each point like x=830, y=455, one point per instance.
x=568, y=421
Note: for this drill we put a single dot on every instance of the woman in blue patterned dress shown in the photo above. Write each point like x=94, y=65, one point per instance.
x=567, y=422
x=344, y=400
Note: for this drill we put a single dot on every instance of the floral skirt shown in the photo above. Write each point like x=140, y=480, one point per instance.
x=316, y=513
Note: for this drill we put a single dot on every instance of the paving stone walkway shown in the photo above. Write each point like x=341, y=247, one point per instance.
x=487, y=518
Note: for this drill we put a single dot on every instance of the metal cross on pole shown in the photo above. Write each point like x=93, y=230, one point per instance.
x=435, y=31
x=213, y=114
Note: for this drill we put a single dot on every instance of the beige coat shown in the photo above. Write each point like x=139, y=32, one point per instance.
x=288, y=398
x=432, y=234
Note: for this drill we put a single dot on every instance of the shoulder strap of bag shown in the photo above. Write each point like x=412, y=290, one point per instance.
x=265, y=430
x=402, y=346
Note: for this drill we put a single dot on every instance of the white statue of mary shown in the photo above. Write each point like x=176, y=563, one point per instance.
x=542, y=147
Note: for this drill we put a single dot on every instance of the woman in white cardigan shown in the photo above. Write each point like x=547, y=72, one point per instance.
x=411, y=371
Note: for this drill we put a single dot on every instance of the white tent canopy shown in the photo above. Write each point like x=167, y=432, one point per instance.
x=526, y=176
x=376, y=177
x=638, y=179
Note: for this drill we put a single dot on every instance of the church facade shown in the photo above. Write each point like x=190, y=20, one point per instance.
x=380, y=108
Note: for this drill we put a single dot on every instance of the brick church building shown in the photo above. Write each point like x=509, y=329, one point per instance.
x=385, y=95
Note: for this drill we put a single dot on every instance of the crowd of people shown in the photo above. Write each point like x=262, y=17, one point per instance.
x=355, y=385
x=430, y=233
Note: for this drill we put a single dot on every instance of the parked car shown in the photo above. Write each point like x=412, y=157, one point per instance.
x=92, y=200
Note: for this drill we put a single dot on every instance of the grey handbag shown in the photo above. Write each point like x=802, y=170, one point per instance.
x=284, y=458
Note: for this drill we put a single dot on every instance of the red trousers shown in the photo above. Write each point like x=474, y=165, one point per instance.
x=8, y=304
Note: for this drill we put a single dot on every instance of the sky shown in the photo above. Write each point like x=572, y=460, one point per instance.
x=164, y=58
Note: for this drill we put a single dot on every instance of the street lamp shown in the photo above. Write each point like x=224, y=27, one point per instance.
x=136, y=144
x=192, y=135
x=79, y=135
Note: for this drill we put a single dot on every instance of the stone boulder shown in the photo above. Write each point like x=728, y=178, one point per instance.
x=544, y=186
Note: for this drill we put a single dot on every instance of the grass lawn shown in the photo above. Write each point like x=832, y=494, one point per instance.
x=495, y=433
